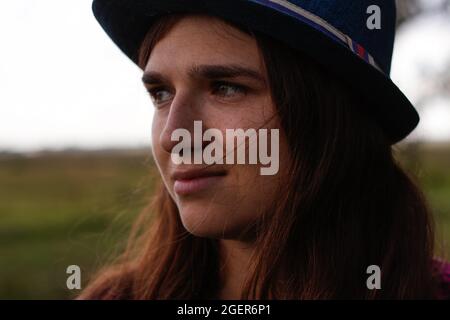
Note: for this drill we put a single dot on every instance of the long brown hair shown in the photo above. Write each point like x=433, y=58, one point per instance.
x=348, y=205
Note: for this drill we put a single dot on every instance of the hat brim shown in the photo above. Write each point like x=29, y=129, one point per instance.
x=127, y=22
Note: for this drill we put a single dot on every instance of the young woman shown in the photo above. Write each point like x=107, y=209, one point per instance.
x=339, y=202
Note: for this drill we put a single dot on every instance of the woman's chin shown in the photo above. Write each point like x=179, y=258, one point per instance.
x=212, y=228
x=205, y=222
x=199, y=223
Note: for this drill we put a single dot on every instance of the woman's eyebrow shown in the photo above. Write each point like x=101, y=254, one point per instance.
x=212, y=72
x=151, y=77
x=209, y=72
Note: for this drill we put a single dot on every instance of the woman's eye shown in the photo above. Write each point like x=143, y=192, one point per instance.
x=228, y=90
x=159, y=95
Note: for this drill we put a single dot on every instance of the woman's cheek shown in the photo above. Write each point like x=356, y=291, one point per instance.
x=157, y=151
x=155, y=131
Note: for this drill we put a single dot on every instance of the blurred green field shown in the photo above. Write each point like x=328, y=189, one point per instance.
x=62, y=209
x=430, y=164
x=58, y=209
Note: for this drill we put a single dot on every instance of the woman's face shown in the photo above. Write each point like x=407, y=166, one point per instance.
x=206, y=70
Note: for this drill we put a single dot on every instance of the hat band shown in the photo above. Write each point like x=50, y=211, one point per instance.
x=321, y=25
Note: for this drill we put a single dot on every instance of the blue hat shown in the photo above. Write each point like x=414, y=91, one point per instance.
x=342, y=35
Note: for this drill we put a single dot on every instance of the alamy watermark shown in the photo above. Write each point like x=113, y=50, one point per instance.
x=374, y=20
x=74, y=280
x=374, y=280
x=222, y=150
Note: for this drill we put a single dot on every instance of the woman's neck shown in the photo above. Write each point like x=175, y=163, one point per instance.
x=235, y=260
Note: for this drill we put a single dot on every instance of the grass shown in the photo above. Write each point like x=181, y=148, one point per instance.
x=59, y=209
x=430, y=165
x=63, y=209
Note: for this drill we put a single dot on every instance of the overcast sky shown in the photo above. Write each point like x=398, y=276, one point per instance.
x=421, y=53
x=64, y=84
x=62, y=81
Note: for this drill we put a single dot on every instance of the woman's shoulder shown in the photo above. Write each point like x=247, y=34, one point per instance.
x=442, y=270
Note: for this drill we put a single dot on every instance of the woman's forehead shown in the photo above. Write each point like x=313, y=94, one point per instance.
x=204, y=40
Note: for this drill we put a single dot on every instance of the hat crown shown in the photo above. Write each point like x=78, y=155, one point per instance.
x=351, y=18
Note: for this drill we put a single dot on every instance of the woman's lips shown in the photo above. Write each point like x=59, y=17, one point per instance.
x=185, y=187
x=189, y=182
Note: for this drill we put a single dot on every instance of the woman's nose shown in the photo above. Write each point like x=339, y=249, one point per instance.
x=184, y=110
